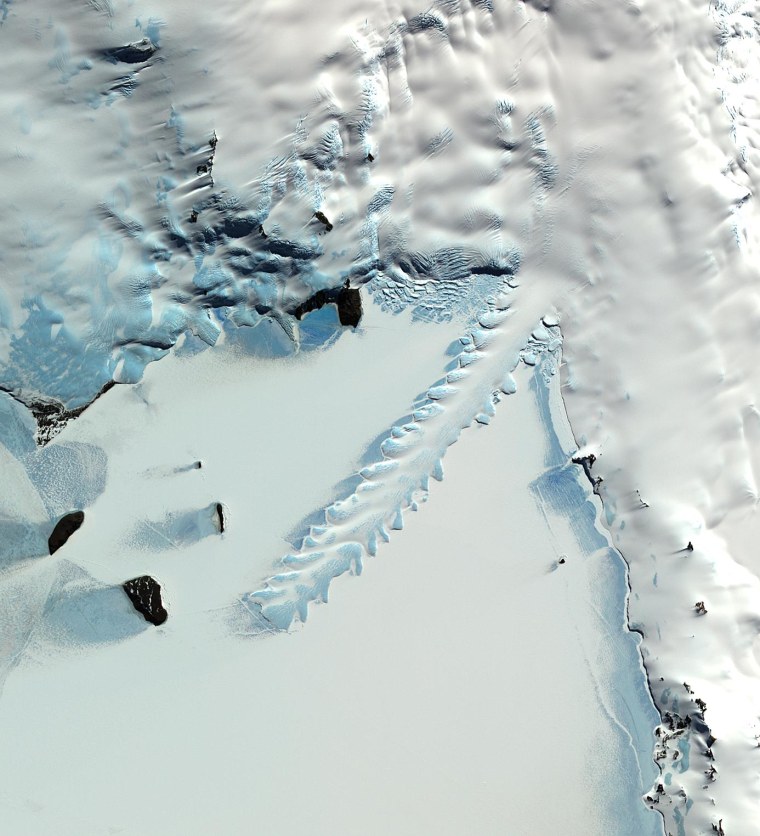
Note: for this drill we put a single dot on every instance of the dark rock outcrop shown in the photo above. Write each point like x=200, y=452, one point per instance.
x=587, y=462
x=51, y=415
x=322, y=218
x=349, y=306
x=135, y=53
x=207, y=166
x=64, y=528
x=145, y=594
x=347, y=299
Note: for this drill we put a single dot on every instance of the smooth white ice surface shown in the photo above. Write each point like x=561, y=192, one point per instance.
x=465, y=682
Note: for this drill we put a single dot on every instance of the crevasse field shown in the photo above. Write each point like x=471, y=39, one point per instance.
x=379, y=422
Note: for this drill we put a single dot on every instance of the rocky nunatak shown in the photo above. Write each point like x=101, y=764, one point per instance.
x=50, y=414
x=64, y=528
x=145, y=594
x=134, y=53
x=347, y=299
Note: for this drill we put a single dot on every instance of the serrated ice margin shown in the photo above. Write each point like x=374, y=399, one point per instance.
x=398, y=482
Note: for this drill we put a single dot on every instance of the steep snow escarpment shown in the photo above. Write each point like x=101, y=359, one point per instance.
x=661, y=386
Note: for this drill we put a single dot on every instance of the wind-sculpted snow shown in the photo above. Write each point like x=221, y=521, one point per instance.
x=177, y=529
x=398, y=482
x=156, y=245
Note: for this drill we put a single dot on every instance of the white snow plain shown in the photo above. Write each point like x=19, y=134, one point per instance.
x=468, y=678
x=492, y=171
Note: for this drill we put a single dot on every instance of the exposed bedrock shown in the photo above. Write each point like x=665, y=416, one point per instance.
x=64, y=528
x=135, y=53
x=349, y=306
x=587, y=462
x=323, y=219
x=50, y=414
x=145, y=594
x=347, y=299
